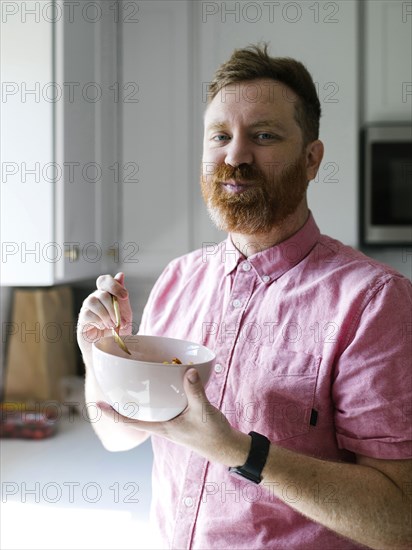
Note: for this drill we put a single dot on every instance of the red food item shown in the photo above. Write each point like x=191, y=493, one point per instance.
x=23, y=422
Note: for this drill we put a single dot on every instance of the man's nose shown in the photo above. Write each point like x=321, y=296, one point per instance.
x=238, y=152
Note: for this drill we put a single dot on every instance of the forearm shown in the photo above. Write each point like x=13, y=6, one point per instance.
x=356, y=501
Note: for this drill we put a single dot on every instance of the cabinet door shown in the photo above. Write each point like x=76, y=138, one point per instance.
x=27, y=196
x=388, y=61
x=86, y=139
x=80, y=173
x=59, y=142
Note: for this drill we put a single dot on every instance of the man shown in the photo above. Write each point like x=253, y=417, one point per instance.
x=311, y=340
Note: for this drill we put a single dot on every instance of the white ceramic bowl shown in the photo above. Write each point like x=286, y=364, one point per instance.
x=140, y=386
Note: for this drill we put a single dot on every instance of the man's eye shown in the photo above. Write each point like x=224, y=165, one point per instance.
x=220, y=137
x=265, y=136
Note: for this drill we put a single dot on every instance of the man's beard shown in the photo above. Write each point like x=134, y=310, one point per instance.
x=267, y=202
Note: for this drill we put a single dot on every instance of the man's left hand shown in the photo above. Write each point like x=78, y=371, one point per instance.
x=200, y=427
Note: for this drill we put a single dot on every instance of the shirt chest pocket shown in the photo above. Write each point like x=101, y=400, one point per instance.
x=284, y=382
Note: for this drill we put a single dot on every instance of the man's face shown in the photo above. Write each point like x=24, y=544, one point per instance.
x=253, y=167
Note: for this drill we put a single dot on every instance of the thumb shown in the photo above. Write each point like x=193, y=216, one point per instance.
x=120, y=278
x=193, y=387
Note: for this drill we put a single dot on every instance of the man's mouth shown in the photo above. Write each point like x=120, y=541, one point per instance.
x=235, y=187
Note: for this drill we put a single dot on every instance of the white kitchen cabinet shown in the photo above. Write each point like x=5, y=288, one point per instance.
x=387, y=78
x=59, y=141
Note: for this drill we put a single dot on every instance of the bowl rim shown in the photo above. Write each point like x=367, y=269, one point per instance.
x=153, y=336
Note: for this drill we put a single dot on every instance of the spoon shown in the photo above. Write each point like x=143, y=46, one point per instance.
x=116, y=330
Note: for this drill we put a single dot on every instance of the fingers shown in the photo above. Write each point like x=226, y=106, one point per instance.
x=108, y=286
x=97, y=311
x=113, y=285
x=120, y=277
x=89, y=333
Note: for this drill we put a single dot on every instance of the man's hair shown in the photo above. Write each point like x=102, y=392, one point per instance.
x=253, y=63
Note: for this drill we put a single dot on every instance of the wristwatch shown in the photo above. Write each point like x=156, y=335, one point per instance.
x=256, y=460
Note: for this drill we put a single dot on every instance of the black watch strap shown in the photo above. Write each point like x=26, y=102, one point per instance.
x=256, y=460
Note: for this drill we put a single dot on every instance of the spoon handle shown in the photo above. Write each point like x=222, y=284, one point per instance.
x=116, y=330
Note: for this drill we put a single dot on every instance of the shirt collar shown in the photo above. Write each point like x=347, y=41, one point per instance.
x=276, y=260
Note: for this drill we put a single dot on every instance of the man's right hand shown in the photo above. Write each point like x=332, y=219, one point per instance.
x=97, y=315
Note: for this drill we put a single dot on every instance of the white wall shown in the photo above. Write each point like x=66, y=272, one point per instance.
x=156, y=136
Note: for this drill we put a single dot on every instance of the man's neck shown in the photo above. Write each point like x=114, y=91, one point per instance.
x=251, y=244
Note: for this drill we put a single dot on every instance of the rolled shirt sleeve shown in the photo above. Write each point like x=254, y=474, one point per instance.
x=372, y=390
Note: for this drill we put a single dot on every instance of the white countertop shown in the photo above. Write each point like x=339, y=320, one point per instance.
x=68, y=492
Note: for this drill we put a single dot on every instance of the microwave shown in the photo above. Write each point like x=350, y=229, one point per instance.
x=386, y=185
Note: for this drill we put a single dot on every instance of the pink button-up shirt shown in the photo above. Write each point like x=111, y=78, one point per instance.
x=313, y=345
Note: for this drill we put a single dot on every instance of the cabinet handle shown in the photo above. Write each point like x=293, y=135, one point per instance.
x=72, y=252
x=113, y=252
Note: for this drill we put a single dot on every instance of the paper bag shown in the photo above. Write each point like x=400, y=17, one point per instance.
x=41, y=349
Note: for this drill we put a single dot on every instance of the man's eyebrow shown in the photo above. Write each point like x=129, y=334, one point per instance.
x=216, y=126
x=267, y=123
x=271, y=123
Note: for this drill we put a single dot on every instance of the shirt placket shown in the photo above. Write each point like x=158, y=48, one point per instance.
x=229, y=330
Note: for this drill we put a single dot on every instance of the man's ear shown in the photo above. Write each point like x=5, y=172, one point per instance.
x=314, y=155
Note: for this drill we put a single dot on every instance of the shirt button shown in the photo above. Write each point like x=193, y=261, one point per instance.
x=265, y=278
x=236, y=303
x=188, y=502
x=218, y=368
x=246, y=266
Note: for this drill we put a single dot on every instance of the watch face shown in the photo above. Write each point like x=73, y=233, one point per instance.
x=245, y=474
